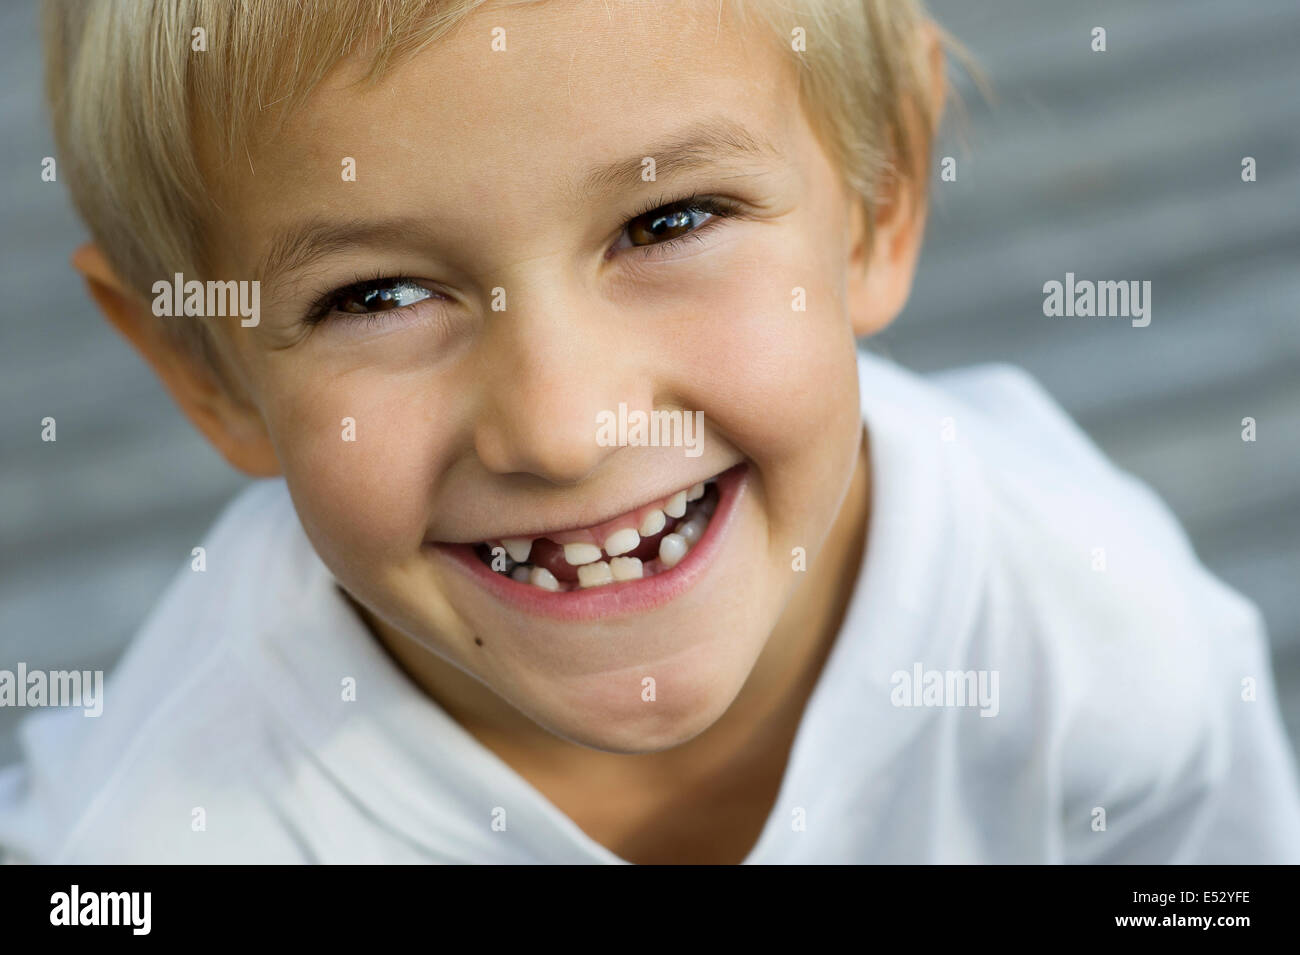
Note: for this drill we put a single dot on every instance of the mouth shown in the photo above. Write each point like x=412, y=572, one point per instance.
x=633, y=562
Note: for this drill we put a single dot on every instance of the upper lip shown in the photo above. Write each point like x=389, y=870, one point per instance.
x=607, y=515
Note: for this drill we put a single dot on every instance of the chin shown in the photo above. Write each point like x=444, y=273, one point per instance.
x=646, y=727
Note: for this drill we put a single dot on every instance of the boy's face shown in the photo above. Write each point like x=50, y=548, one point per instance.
x=475, y=425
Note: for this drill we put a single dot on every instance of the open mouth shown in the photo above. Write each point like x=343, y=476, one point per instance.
x=633, y=562
x=642, y=543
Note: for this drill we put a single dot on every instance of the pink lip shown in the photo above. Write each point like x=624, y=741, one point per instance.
x=611, y=600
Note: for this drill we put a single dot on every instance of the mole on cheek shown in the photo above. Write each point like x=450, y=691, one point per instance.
x=479, y=641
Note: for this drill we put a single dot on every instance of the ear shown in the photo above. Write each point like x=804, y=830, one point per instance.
x=882, y=264
x=233, y=427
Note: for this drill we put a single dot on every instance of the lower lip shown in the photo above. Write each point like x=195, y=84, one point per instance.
x=611, y=600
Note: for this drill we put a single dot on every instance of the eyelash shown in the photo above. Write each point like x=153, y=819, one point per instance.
x=714, y=206
x=325, y=306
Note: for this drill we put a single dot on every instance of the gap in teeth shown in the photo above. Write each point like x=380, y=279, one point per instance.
x=598, y=567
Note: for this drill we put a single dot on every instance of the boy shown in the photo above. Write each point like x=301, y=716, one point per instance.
x=853, y=617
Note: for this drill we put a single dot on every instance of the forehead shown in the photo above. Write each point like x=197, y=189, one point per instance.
x=466, y=125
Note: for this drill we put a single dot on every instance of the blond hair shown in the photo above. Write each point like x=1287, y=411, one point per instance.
x=128, y=97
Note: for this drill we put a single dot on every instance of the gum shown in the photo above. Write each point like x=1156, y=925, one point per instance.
x=598, y=533
x=548, y=553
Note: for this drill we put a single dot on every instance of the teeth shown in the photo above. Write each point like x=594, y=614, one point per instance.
x=676, y=505
x=597, y=567
x=624, y=568
x=653, y=523
x=541, y=577
x=672, y=549
x=595, y=575
x=622, y=541
x=692, y=530
x=579, y=554
x=518, y=548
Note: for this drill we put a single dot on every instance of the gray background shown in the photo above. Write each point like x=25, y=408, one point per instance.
x=1123, y=165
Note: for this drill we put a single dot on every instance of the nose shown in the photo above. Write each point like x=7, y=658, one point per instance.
x=551, y=363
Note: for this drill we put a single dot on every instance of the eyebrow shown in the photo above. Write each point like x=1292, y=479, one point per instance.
x=699, y=145
x=300, y=245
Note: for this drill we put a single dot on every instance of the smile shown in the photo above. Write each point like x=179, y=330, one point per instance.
x=635, y=561
x=633, y=546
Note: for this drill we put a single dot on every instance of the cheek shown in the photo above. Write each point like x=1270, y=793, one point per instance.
x=773, y=367
x=359, y=455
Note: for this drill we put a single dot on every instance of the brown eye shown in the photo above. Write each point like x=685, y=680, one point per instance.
x=379, y=296
x=665, y=224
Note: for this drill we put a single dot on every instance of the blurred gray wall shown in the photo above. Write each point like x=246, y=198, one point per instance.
x=1122, y=165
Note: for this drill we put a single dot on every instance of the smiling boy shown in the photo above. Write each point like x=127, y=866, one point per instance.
x=457, y=625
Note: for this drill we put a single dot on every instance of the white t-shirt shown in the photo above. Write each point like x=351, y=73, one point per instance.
x=1001, y=545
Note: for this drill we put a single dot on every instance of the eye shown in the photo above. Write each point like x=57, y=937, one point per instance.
x=666, y=224
x=380, y=295
x=373, y=295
